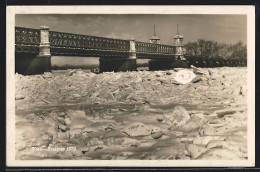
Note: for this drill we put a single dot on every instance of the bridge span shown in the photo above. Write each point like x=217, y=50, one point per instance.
x=34, y=48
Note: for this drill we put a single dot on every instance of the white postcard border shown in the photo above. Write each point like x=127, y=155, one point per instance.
x=10, y=82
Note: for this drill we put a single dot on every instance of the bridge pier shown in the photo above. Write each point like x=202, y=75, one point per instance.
x=31, y=64
x=107, y=64
x=166, y=64
x=117, y=64
x=35, y=59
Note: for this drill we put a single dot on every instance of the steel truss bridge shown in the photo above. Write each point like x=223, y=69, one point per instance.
x=28, y=40
x=115, y=54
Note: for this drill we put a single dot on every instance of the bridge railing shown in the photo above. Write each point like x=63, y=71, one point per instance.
x=61, y=39
x=150, y=48
x=27, y=36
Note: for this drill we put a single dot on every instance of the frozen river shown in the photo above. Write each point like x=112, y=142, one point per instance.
x=132, y=115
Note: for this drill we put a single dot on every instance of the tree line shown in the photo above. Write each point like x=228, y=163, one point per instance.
x=212, y=49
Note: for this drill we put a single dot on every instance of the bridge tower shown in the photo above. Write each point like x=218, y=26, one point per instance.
x=177, y=60
x=154, y=39
x=179, y=46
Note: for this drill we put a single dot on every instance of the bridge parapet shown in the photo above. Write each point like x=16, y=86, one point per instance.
x=88, y=42
x=144, y=49
x=152, y=48
x=27, y=36
x=27, y=40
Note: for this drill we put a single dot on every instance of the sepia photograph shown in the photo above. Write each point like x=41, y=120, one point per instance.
x=130, y=86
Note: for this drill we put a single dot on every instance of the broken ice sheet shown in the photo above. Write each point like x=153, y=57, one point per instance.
x=184, y=76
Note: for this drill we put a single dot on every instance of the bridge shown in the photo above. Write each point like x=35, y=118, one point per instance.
x=36, y=46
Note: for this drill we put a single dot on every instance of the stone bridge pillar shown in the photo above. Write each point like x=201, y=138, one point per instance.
x=44, y=56
x=132, y=51
x=116, y=64
x=44, y=44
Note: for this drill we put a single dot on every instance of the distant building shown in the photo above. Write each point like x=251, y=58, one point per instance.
x=155, y=39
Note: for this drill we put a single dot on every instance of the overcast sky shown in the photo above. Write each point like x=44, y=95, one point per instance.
x=220, y=28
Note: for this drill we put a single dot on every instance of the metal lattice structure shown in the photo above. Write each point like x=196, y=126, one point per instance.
x=27, y=40
x=75, y=44
x=151, y=50
x=61, y=43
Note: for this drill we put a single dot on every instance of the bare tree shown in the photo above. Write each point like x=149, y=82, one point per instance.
x=191, y=48
x=201, y=43
x=239, y=50
x=213, y=49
